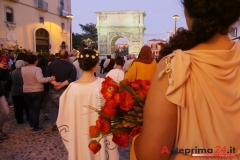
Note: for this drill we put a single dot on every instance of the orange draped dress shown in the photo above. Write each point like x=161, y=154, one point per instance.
x=206, y=90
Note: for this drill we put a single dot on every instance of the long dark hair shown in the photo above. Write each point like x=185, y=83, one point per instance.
x=209, y=17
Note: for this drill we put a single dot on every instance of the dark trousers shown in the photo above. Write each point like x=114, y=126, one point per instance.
x=20, y=105
x=34, y=100
x=101, y=70
x=55, y=95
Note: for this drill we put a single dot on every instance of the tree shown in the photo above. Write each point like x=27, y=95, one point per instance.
x=77, y=40
x=89, y=31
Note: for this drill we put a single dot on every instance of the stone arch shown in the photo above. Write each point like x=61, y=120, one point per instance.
x=120, y=24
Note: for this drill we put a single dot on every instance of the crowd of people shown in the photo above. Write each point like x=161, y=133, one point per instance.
x=35, y=82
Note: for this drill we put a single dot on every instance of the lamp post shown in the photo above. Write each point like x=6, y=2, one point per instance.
x=175, y=17
x=70, y=16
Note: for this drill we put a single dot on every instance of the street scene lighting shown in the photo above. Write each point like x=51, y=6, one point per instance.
x=175, y=17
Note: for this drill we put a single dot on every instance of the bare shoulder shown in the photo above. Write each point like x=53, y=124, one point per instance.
x=157, y=111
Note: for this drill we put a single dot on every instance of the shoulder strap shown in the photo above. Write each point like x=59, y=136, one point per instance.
x=168, y=69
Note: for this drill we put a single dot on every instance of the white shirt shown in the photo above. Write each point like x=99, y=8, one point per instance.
x=10, y=63
x=116, y=74
x=127, y=65
x=33, y=79
x=71, y=59
x=78, y=69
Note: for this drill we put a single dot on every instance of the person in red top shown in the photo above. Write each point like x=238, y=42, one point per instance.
x=4, y=57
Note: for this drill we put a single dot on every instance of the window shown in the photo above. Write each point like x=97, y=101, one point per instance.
x=41, y=20
x=61, y=4
x=9, y=14
x=40, y=4
x=62, y=26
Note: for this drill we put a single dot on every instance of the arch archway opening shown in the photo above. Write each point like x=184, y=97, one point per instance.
x=42, y=40
x=121, y=46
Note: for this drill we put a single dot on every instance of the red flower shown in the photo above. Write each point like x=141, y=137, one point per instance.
x=136, y=130
x=103, y=125
x=126, y=102
x=109, y=108
x=141, y=87
x=146, y=84
x=94, y=146
x=117, y=97
x=135, y=85
x=93, y=131
x=142, y=94
x=121, y=139
x=109, y=88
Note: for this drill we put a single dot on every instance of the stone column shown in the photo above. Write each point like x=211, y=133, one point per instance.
x=141, y=19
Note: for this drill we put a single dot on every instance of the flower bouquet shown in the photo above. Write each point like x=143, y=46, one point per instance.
x=122, y=113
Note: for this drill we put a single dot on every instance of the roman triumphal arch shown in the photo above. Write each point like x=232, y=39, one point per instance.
x=112, y=25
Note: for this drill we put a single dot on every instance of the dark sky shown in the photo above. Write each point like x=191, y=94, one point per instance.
x=158, y=19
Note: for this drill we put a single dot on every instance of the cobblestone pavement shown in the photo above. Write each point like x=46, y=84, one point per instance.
x=24, y=144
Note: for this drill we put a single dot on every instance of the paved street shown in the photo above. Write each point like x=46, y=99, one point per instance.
x=24, y=144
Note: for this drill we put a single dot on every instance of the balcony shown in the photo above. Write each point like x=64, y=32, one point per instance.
x=41, y=4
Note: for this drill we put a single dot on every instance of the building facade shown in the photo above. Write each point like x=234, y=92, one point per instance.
x=36, y=25
x=121, y=49
x=155, y=46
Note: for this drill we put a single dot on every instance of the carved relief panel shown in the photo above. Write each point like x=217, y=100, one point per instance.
x=102, y=39
x=103, y=49
x=103, y=18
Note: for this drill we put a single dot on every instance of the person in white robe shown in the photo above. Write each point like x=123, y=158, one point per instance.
x=117, y=74
x=75, y=117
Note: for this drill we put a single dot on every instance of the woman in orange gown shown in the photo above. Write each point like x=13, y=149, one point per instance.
x=193, y=105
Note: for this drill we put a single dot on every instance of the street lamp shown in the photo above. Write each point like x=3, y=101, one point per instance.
x=175, y=17
x=70, y=16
